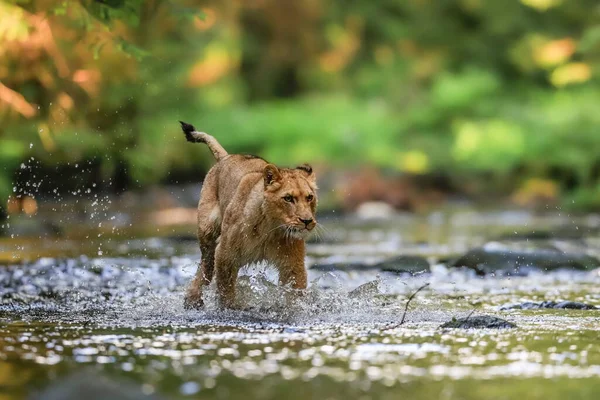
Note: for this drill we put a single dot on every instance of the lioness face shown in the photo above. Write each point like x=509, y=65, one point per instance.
x=291, y=198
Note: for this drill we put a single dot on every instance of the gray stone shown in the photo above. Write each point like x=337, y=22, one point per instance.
x=399, y=264
x=404, y=264
x=521, y=258
x=478, y=322
x=365, y=290
x=341, y=266
x=562, y=305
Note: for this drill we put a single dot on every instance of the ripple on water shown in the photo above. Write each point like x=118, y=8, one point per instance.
x=141, y=292
x=126, y=314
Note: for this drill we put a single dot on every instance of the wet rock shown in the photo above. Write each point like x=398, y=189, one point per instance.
x=368, y=289
x=342, y=266
x=563, y=233
x=91, y=386
x=562, y=305
x=182, y=237
x=523, y=257
x=404, y=264
x=478, y=322
x=400, y=264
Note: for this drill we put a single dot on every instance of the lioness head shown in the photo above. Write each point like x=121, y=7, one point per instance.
x=291, y=198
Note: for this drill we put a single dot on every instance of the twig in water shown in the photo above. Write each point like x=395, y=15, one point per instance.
x=469, y=316
x=412, y=296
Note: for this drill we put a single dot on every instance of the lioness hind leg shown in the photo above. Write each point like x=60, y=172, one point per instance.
x=209, y=229
x=226, y=265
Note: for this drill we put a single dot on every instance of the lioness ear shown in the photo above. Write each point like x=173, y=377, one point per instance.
x=271, y=175
x=306, y=168
x=307, y=171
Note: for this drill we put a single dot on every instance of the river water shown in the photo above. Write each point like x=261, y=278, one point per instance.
x=105, y=308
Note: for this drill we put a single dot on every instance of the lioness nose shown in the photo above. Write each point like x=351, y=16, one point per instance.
x=306, y=221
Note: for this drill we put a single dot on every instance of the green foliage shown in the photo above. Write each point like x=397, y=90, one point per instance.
x=477, y=90
x=456, y=92
x=128, y=48
x=11, y=152
x=108, y=11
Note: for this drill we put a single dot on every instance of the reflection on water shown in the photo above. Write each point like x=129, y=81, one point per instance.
x=120, y=314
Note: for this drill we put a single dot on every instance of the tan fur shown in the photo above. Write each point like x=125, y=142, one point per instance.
x=243, y=217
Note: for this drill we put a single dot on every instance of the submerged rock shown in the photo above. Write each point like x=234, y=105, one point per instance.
x=478, y=322
x=521, y=258
x=399, y=264
x=368, y=289
x=341, y=266
x=562, y=305
x=562, y=232
x=92, y=386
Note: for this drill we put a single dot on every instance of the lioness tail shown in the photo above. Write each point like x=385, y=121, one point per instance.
x=192, y=135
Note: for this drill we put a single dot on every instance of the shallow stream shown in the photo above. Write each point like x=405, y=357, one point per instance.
x=108, y=310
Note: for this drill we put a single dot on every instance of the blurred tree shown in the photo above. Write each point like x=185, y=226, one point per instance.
x=490, y=93
x=74, y=86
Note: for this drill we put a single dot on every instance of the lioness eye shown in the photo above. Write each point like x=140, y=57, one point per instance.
x=309, y=198
x=289, y=198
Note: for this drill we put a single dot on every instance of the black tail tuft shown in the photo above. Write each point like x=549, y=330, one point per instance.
x=188, y=129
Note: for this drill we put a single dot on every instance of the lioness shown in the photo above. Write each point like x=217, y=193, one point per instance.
x=250, y=211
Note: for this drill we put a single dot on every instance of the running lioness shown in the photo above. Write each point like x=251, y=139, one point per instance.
x=250, y=211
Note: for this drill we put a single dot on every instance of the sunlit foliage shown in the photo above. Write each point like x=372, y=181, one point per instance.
x=484, y=90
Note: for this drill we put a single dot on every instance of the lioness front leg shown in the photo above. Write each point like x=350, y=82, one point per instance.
x=292, y=271
x=294, y=274
x=289, y=259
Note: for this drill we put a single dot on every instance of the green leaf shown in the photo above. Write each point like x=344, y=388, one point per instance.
x=96, y=50
x=60, y=10
x=112, y=3
x=107, y=11
x=187, y=13
x=132, y=50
